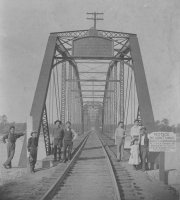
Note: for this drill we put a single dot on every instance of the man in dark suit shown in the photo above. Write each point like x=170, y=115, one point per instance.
x=144, y=147
x=58, y=134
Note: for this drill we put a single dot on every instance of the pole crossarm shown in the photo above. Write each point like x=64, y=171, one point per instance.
x=95, y=17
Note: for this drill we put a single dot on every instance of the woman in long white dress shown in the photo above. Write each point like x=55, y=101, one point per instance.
x=135, y=154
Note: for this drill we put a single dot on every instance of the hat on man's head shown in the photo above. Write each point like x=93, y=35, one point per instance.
x=136, y=120
x=33, y=132
x=12, y=126
x=57, y=121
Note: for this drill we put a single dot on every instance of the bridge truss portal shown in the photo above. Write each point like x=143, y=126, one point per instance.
x=92, y=78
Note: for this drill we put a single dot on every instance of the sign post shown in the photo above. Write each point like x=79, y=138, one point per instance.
x=162, y=142
x=162, y=176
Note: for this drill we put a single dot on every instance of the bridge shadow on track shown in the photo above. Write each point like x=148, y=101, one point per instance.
x=92, y=148
x=91, y=158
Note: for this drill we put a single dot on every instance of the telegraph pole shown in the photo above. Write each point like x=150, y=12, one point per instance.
x=95, y=17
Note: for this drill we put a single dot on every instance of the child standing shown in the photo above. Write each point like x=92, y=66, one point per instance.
x=134, y=157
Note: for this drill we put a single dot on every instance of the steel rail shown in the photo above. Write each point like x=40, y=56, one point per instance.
x=111, y=170
x=53, y=189
x=50, y=193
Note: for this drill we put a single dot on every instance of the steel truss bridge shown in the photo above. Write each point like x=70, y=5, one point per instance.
x=91, y=78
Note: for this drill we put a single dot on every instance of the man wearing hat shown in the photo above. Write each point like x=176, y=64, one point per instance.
x=58, y=134
x=144, y=147
x=32, y=148
x=11, y=138
x=69, y=136
x=119, y=140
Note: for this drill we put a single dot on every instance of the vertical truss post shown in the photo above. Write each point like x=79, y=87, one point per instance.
x=111, y=104
x=113, y=101
x=75, y=106
x=109, y=108
x=69, y=92
x=73, y=100
x=121, y=103
x=106, y=122
x=82, y=117
x=108, y=111
x=63, y=92
x=115, y=95
x=105, y=116
x=45, y=128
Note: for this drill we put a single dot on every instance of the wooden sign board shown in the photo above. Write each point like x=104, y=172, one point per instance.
x=162, y=142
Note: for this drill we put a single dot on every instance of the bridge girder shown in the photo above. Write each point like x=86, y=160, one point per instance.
x=127, y=51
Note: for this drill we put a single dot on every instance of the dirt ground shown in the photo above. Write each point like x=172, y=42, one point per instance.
x=19, y=184
x=22, y=185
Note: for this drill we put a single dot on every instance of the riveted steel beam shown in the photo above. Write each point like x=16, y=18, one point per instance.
x=92, y=91
x=91, y=80
x=145, y=106
x=121, y=103
x=92, y=58
x=63, y=93
x=43, y=83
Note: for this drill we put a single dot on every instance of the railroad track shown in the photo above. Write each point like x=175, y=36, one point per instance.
x=89, y=175
x=125, y=182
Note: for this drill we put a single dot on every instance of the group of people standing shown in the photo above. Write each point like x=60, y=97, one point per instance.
x=139, y=144
x=62, y=137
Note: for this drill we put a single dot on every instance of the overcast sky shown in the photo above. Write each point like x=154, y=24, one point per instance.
x=25, y=26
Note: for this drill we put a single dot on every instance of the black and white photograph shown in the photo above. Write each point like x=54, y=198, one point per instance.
x=89, y=100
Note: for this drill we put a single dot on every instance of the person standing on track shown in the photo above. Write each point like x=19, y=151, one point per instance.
x=11, y=138
x=119, y=140
x=58, y=134
x=32, y=148
x=69, y=136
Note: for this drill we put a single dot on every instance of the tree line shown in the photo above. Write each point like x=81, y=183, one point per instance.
x=162, y=125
